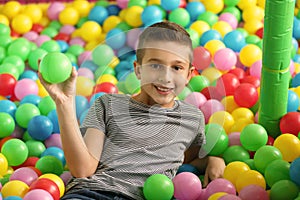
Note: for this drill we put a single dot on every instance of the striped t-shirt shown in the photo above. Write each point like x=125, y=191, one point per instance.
x=141, y=140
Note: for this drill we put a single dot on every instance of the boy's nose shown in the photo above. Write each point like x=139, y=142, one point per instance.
x=165, y=76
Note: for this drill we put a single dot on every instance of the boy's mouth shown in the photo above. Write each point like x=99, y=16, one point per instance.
x=163, y=90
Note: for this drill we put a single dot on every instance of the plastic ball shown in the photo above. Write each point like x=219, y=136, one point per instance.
x=15, y=151
x=24, y=113
x=211, y=73
x=290, y=123
x=246, y=95
x=24, y=174
x=169, y=5
x=84, y=86
x=249, y=54
x=47, y=185
x=219, y=185
x=35, y=147
x=211, y=106
x=284, y=189
x=102, y=55
x=68, y=16
x=161, y=184
x=7, y=123
x=51, y=46
x=209, y=17
x=294, y=171
x=8, y=83
x=59, y=182
x=188, y=168
x=264, y=156
x=53, y=141
x=223, y=118
x=180, y=16
x=132, y=83
x=41, y=39
x=293, y=101
x=38, y=194
x=233, y=170
x=14, y=188
x=224, y=59
x=4, y=20
x=25, y=87
x=34, y=12
x=196, y=98
x=187, y=186
x=111, y=22
x=234, y=40
x=115, y=38
x=277, y=170
x=98, y=14
x=211, y=40
x=3, y=164
x=49, y=164
x=253, y=192
x=253, y=136
x=40, y=127
x=19, y=47
x=234, y=139
x=195, y=9
x=289, y=146
x=21, y=23
x=202, y=58
x=133, y=16
x=217, y=195
x=151, y=14
x=54, y=9
x=235, y=153
x=250, y=177
x=216, y=139
x=198, y=82
x=200, y=26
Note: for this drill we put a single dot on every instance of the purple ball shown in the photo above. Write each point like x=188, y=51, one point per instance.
x=53, y=141
x=54, y=9
x=210, y=107
x=131, y=37
x=66, y=176
x=38, y=194
x=196, y=98
x=67, y=29
x=78, y=41
x=87, y=55
x=41, y=39
x=24, y=174
x=31, y=36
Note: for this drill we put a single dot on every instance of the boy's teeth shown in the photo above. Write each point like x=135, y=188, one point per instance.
x=163, y=89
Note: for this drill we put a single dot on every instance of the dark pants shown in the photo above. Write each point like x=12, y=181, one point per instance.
x=86, y=194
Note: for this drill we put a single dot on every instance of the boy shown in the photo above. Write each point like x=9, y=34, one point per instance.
x=127, y=139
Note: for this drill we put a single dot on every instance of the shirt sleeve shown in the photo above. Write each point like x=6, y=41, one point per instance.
x=95, y=117
x=200, y=137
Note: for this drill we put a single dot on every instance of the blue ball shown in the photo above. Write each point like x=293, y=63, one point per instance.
x=234, y=40
x=81, y=104
x=8, y=107
x=31, y=98
x=52, y=115
x=29, y=74
x=64, y=46
x=90, y=65
x=40, y=127
x=121, y=76
x=294, y=171
x=113, y=9
x=210, y=35
x=295, y=44
x=293, y=101
x=123, y=66
x=195, y=8
x=169, y=4
x=82, y=116
x=296, y=58
x=98, y=14
x=188, y=168
x=151, y=15
x=56, y=152
x=12, y=198
x=94, y=97
x=115, y=38
x=125, y=52
x=296, y=79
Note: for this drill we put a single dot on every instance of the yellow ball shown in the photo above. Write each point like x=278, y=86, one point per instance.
x=68, y=16
x=107, y=78
x=115, y=61
x=44, y=21
x=42, y=91
x=214, y=6
x=297, y=66
x=253, y=12
x=200, y=27
x=229, y=103
x=222, y=27
x=4, y=20
x=2, y=98
x=217, y=195
x=34, y=12
x=240, y=124
x=153, y=2
x=249, y=54
x=261, y=3
x=90, y=31
x=243, y=4
x=84, y=86
x=21, y=23
x=3, y=164
x=250, y=177
x=83, y=7
x=11, y=9
x=122, y=14
x=251, y=26
x=289, y=146
x=242, y=112
x=14, y=188
x=110, y=23
x=211, y=73
x=222, y=118
x=234, y=169
x=213, y=46
x=133, y=16
x=56, y=179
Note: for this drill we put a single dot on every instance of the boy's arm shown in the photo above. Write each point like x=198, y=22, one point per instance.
x=212, y=166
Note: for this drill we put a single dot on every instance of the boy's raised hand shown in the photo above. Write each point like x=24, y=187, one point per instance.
x=61, y=92
x=214, y=169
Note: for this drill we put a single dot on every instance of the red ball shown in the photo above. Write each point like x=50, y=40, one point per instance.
x=202, y=58
x=37, y=28
x=252, y=80
x=260, y=32
x=270, y=140
x=211, y=92
x=62, y=36
x=47, y=185
x=8, y=83
x=290, y=123
x=227, y=84
x=30, y=161
x=246, y=95
x=239, y=72
x=106, y=87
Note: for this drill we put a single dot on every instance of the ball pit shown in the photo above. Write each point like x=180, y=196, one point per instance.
x=98, y=39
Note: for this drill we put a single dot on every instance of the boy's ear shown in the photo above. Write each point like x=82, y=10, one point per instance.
x=137, y=69
x=190, y=74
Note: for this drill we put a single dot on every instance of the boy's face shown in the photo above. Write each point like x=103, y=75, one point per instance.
x=164, y=72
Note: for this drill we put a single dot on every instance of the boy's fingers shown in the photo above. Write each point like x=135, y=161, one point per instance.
x=206, y=179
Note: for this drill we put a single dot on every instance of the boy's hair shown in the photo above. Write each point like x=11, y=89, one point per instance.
x=160, y=32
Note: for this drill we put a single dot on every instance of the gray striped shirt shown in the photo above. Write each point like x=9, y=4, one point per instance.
x=141, y=140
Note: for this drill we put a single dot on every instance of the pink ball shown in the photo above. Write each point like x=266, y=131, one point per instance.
x=67, y=29
x=25, y=87
x=225, y=59
x=41, y=39
x=77, y=40
x=187, y=186
x=54, y=9
x=31, y=36
x=234, y=139
x=219, y=185
x=122, y=3
x=230, y=19
x=53, y=141
x=86, y=72
x=253, y=192
x=238, y=61
x=24, y=174
x=18, y=132
x=87, y=55
x=196, y=98
x=211, y=106
x=229, y=197
x=256, y=117
x=292, y=68
x=255, y=69
x=38, y=194
x=66, y=176
x=131, y=37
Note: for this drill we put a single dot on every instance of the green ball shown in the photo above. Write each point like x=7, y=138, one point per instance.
x=250, y=163
x=180, y=16
x=132, y=83
x=2, y=53
x=253, y=136
x=5, y=40
x=284, y=189
x=75, y=49
x=235, y=153
x=194, y=37
x=158, y=186
x=198, y=83
x=35, y=56
x=123, y=26
x=7, y=124
x=4, y=29
x=233, y=10
x=216, y=140
x=26, y=137
x=19, y=47
x=231, y=2
x=184, y=93
x=141, y=3
x=252, y=39
x=55, y=24
x=50, y=46
x=8, y=68
x=49, y=31
x=264, y=156
x=15, y=151
x=103, y=70
x=50, y=164
x=209, y=17
x=102, y=55
x=71, y=57
x=55, y=67
x=35, y=148
x=277, y=170
x=24, y=113
x=17, y=61
x=46, y=105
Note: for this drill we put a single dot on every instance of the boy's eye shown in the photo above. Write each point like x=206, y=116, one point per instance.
x=177, y=68
x=155, y=66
